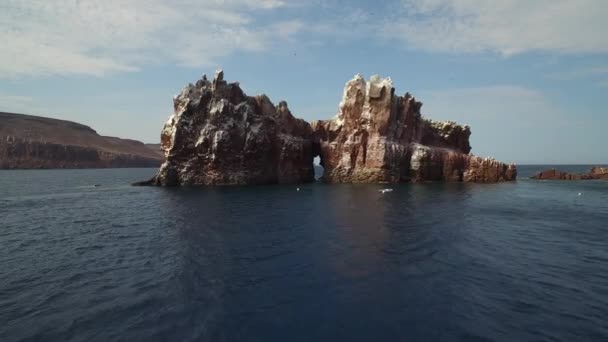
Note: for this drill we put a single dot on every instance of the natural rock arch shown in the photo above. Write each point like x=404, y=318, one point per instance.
x=218, y=135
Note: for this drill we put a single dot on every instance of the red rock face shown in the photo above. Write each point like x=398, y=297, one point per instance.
x=378, y=137
x=600, y=172
x=220, y=136
x=553, y=174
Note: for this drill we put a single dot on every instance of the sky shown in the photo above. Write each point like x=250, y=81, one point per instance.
x=529, y=77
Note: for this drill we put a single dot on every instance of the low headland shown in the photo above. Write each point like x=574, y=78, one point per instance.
x=34, y=142
x=554, y=174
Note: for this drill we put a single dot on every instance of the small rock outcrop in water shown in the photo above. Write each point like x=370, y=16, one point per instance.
x=34, y=142
x=553, y=174
x=380, y=137
x=217, y=135
x=600, y=172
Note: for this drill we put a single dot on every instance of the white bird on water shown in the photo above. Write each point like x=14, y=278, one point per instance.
x=297, y=189
x=580, y=194
x=385, y=190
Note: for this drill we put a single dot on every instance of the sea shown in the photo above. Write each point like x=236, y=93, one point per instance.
x=85, y=256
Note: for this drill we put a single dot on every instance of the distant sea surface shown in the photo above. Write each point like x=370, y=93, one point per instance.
x=523, y=261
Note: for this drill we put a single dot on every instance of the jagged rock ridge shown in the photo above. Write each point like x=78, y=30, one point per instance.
x=554, y=174
x=28, y=141
x=380, y=137
x=217, y=135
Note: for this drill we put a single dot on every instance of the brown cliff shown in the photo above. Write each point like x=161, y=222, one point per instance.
x=599, y=172
x=217, y=135
x=554, y=174
x=28, y=141
x=378, y=137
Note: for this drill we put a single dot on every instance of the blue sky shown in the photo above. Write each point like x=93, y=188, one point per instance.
x=529, y=77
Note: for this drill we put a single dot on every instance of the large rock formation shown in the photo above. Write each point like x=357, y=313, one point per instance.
x=380, y=137
x=28, y=142
x=217, y=135
x=554, y=174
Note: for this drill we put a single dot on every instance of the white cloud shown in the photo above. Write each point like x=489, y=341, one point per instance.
x=505, y=27
x=95, y=37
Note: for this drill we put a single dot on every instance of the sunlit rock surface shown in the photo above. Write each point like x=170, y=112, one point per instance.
x=379, y=137
x=218, y=135
x=554, y=174
x=600, y=172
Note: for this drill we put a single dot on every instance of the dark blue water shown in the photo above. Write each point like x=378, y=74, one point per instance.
x=525, y=261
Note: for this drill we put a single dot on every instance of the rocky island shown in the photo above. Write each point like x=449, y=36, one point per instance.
x=34, y=142
x=217, y=135
x=379, y=137
x=554, y=174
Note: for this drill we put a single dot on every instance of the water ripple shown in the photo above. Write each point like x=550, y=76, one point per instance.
x=505, y=262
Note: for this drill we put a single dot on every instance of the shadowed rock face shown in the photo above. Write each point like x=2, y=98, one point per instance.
x=217, y=135
x=378, y=137
x=28, y=142
x=553, y=174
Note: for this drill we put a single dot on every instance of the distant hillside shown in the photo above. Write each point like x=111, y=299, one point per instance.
x=28, y=141
x=156, y=149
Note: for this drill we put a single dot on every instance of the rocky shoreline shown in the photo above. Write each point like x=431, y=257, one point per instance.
x=218, y=135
